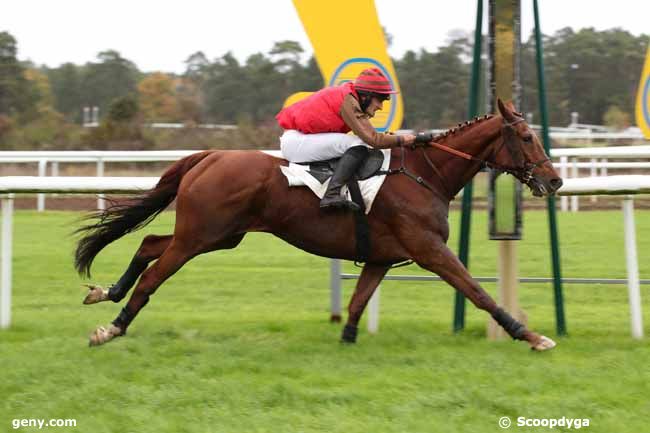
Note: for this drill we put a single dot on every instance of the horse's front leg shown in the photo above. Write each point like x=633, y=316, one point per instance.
x=370, y=277
x=443, y=262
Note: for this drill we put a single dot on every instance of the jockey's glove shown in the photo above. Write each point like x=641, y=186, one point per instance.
x=423, y=137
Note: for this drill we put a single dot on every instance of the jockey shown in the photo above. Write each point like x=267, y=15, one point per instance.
x=316, y=129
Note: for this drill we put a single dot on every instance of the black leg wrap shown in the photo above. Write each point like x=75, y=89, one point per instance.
x=123, y=319
x=514, y=328
x=349, y=334
x=118, y=291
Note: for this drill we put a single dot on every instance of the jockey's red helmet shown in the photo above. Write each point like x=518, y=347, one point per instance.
x=372, y=80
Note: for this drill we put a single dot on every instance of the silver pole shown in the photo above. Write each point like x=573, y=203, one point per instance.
x=373, y=312
x=335, y=290
x=633, y=287
x=42, y=171
x=101, y=204
x=5, y=268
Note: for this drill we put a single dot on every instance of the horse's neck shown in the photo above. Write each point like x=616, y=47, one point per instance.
x=477, y=139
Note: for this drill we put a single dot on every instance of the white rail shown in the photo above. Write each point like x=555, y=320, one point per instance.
x=99, y=157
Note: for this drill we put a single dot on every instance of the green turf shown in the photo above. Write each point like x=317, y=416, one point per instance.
x=238, y=341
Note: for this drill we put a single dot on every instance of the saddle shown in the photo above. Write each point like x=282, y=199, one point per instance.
x=323, y=170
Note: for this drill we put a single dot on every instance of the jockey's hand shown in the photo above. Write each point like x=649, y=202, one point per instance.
x=408, y=139
x=423, y=137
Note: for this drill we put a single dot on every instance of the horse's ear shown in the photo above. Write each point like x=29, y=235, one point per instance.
x=505, y=110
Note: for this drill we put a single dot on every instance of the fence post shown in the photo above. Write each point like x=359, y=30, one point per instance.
x=335, y=290
x=564, y=173
x=593, y=172
x=634, y=291
x=40, y=198
x=5, y=254
x=373, y=312
x=101, y=205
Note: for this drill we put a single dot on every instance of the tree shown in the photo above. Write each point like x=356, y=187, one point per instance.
x=157, y=98
x=110, y=78
x=586, y=71
x=13, y=84
x=65, y=82
x=286, y=55
x=615, y=118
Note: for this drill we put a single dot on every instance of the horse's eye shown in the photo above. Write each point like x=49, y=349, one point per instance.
x=528, y=138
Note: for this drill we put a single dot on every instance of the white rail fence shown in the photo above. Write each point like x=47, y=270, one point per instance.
x=568, y=161
x=613, y=185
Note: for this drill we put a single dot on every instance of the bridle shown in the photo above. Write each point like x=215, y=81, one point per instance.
x=523, y=173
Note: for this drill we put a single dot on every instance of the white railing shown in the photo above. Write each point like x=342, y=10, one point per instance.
x=567, y=161
x=99, y=157
x=598, y=160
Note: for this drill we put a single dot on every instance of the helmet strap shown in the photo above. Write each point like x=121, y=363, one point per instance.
x=364, y=100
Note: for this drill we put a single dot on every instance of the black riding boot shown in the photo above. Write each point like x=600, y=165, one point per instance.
x=347, y=166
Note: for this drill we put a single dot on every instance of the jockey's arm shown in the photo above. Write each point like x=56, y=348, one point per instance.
x=360, y=125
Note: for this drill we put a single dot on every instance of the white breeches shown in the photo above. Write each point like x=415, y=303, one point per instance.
x=299, y=147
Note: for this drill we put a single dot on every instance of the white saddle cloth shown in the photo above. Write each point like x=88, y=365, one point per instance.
x=297, y=175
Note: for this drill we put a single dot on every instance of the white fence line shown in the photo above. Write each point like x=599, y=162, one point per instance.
x=568, y=161
x=99, y=157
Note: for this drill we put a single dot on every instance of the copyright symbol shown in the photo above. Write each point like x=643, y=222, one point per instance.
x=504, y=422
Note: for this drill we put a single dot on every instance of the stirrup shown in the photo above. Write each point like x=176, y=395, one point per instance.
x=341, y=203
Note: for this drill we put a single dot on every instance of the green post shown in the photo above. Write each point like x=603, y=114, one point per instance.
x=466, y=210
x=552, y=221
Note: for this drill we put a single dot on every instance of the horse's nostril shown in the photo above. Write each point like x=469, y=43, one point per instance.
x=556, y=183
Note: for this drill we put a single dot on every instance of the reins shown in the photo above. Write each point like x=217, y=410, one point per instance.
x=524, y=173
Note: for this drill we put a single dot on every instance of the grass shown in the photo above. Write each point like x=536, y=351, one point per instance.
x=238, y=341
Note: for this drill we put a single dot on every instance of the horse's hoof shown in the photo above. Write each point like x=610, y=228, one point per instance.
x=543, y=344
x=95, y=295
x=102, y=335
x=349, y=334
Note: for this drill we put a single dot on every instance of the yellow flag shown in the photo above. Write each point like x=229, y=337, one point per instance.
x=347, y=38
x=643, y=99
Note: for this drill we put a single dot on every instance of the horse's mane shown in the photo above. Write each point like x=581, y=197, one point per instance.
x=461, y=127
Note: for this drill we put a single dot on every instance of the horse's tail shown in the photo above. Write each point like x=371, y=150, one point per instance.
x=126, y=216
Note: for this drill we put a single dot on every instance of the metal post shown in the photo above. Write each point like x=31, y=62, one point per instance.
x=335, y=290
x=40, y=198
x=101, y=205
x=466, y=210
x=373, y=312
x=633, y=286
x=552, y=223
x=5, y=267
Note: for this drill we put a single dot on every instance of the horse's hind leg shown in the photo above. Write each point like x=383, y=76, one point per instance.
x=151, y=248
x=172, y=259
x=371, y=276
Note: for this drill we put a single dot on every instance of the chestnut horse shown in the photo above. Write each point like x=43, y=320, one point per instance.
x=222, y=195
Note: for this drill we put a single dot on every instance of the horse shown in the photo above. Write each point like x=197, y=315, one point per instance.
x=223, y=194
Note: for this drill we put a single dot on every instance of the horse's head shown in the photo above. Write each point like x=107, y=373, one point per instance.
x=521, y=154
